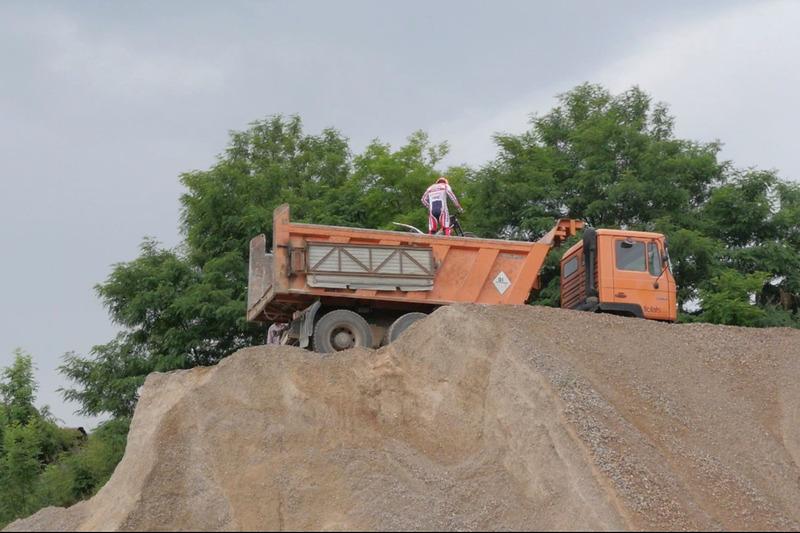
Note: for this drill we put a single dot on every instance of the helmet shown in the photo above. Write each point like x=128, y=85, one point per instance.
x=443, y=180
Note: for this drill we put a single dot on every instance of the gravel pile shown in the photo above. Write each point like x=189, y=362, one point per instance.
x=476, y=418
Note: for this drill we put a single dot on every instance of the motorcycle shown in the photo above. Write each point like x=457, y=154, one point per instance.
x=458, y=231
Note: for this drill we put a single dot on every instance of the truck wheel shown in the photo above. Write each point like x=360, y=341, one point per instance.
x=401, y=324
x=339, y=330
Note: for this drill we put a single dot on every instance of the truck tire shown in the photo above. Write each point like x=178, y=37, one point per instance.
x=401, y=324
x=339, y=330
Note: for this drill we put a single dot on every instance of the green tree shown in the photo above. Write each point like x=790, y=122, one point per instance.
x=755, y=215
x=42, y=464
x=609, y=160
x=19, y=469
x=694, y=258
x=739, y=212
x=19, y=440
x=518, y=194
x=726, y=299
x=271, y=163
x=148, y=298
x=619, y=164
x=90, y=466
x=787, y=214
x=18, y=389
x=29, y=439
x=83, y=469
x=786, y=224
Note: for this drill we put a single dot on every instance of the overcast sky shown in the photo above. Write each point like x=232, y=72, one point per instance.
x=104, y=104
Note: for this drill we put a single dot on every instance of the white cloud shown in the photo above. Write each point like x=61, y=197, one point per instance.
x=733, y=77
x=470, y=137
x=106, y=63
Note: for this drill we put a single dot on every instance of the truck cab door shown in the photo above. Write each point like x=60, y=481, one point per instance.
x=642, y=278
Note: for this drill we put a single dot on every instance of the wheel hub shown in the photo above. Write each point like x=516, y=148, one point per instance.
x=342, y=340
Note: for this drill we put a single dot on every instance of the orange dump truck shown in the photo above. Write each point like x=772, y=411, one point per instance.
x=339, y=287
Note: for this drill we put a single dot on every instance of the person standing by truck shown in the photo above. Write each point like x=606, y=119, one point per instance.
x=274, y=332
x=435, y=200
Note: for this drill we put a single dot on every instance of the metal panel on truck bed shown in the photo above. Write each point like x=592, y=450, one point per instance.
x=343, y=266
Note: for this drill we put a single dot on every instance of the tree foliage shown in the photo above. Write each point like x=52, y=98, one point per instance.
x=42, y=464
x=726, y=298
x=19, y=468
x=610, y=160
x=18, y=389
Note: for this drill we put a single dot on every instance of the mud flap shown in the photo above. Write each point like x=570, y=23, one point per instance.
x=302, y=326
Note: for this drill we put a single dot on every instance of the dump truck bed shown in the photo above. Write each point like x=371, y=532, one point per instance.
x=356, y=267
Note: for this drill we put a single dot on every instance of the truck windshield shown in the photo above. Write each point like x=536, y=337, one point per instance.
x=630, y=255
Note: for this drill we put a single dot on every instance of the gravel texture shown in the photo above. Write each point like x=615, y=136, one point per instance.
x=511, y=418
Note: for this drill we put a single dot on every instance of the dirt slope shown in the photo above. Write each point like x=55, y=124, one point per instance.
x=477, y=418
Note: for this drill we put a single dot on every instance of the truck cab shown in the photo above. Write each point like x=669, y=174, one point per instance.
x=621, y=272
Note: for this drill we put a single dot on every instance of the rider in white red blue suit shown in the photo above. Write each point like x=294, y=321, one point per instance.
x=435, y=199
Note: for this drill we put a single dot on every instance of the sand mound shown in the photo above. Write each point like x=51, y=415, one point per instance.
x=477, y=418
